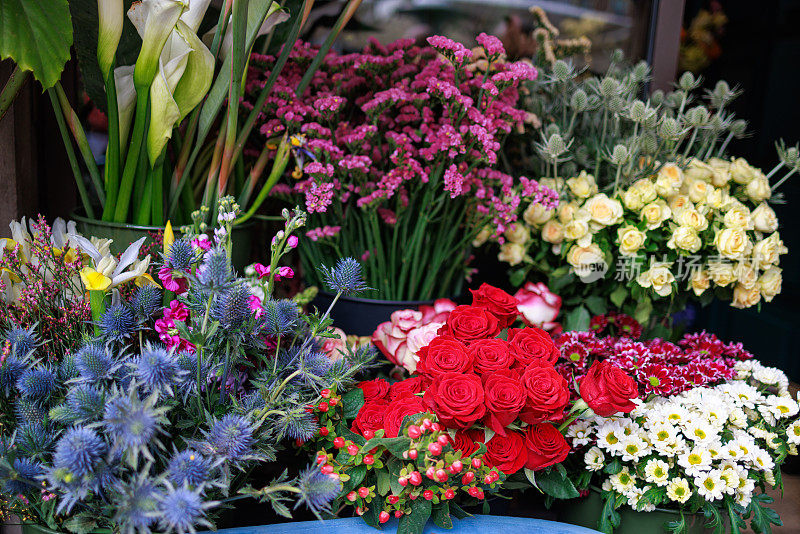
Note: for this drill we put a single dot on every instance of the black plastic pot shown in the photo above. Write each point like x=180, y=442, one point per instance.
x=359, y=316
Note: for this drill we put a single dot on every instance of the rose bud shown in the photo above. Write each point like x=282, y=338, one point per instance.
x=607, y=389
x=436, y=427
x=383, y=517
x=427, y=494
x=413, y=497
x=333, y=402
x=363, y=492
x=468, y=477
x=352, y=496
x=415, y=478
x=449, y=494
x=414, y=432
x=488, y=479
x=456, y=467
x=435, y=449
x=338, y=442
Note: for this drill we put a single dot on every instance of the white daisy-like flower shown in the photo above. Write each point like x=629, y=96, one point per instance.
x=623, y=481
x=657, y=472
x=710, y=485
x=632, y=448
x=731, y=479
x=767, y=415
x=793, y=433
x=635, y=500
x=674, y=448
x=594, y=458
x=738, y=418
x=676, y=414
x=581, y=432
x=715, y=450
x=782, y=407
x=731, y=451
x=743, y=499
x=744, y=369
x=678, y=490
x=695, y=461
x=771, y=376
x=700, y=431
x=762, y=461
x=769, y=478
x=609, y=436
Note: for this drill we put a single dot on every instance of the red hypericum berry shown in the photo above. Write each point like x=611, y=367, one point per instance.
x=473, y=491
x=443, y=440
x=468, y=477
x=321, y=457
x=449, y=494
x=398, y=513
x=383, y=517
x=369, y=459
x=352, y=450
x=426, y=424
x=415, y=478
x=435, y=449
x=326, y=469
x=359, y=511
x=369, y=434
x=323, y=406
x=456, y=467
x=392, y=499
x=363, y=492
x=480, y=494
x=427, y=494
x=323, y=431
x=332, y=403
x=476, y=463
x=436, y=427
x=338, y=442
x=431, y=472
x=352, y=496
x=488, y=479
x=414, y=432
x=412, y=453
x=403, y=481
x=413, y=497
x=441, y=475
x=325, y=393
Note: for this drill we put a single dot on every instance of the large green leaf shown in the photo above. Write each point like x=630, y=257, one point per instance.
x=37, y=35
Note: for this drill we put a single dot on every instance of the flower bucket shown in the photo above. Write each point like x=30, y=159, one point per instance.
x=480, y=524
x=586, y=512
x=124, y=234
x=359, y=316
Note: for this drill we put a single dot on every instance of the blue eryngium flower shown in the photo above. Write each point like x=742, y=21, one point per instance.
x=23, y=477
x=182, y=509
x=317, y=490
x=78, y=452
x=37, y=383
x=346, y=278
x=84, y=404
x=34, y=439
x=189, y=467
x=146, y=301
x=215, y=271
x=230, y=438
x=157, y=369
x=29, y=410
x=181, y=254
x=232, y=307
x=117, y=322
x=10, y=370
x=67, y=370
x=297, y=424
x=132, y=423
x=94, y=363
x=23, y=340
x=280, y=317
x=136, y=503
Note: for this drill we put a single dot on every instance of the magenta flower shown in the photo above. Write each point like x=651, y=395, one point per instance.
x=292, y=241
x=177, y=285
x=261, y=270
x=254, y=302
x=202, y=242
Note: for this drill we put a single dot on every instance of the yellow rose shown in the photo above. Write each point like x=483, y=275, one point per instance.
x=632, y=199
x=587, y=261
x=678, y=203
x=583, y=185
x=742, y=172
x=692, y=218
x=768, y=251
x=719, y=199
x=738, y=216
x=744, y=297
x=553, y=232
x=604, y=210
x=517, y=233
x=698, y=190
x=669, y=180
x=646, y=189
x=699, y=281
x=482, y=237
x=630, y=240
x=566, y=212
x=659, y=277
x=655, y=213
x=698, y=170
x=746, y=275
x=764, y=218
x=537, y=214
x=732, y=243
x=685, y=238
x=721, y=174
x=758, y=189
x=511, y=253
x=770, y=283
x=722, y=273
x=576, y=229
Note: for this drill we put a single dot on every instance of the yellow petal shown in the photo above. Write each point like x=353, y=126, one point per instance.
x=93, y=280
x=14, y=278
x=146, y=280
x=169, y=238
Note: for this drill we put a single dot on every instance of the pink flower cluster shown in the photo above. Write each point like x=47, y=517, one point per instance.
x=658, y=366
x=315, y=234
x=165, y=327
x=380, y=123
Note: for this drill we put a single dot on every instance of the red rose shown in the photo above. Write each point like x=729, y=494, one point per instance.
x=467, y=441
x=505, y=398
x=406, y=387
x=607, y=389
x=456, y=398
x=490, y=355
x=444, y=354
x=397, y=410
x=532, y=344
x=548, y=393
x=546, y=446
x=507, y=453
x=468, y=323
x=374, y=389
x=501, y=304
x=370, y=416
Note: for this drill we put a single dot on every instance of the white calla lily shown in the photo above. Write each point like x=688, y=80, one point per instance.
x=275, y=15
x=155, y=21
x=110, y=19
x=126, y=100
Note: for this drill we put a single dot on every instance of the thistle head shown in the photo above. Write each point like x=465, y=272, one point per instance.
x=95, y=363
x=146, y=301
x=136, y=504
x=23, y=340
x=317, y=490
x=23, y=478
x=232, y=307
x=297, y=424
x=215, y=271
x=34, y=439
x=157, y=369
x=132, y=423
x=29, y=410
x=79, y=452
x=189, y=467
x=10, y=370
x=346, y=278
x=37, y=383
x=280, y=317
x=84, y=404
x=230, y=438
x=181, y=254
x=182, y=509
x=117, y=323
x=67, y=370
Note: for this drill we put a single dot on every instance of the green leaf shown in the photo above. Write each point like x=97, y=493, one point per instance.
x=357, y=475
x=458, y=512
x=441, y=515
x=613, y=467
x=553, y=483
x=517, y=277
x=372, y=512
x=715, y=522
x=352, y=401
x=643, y=310
x=37, y=35
x=383, y=486
x=82, y=523
x=618, y=296
x=530, y=474
x=577, y=319
x=763, y=517
x=414, y=523
x=393, y=467
x=609, y=518
x=596, y=304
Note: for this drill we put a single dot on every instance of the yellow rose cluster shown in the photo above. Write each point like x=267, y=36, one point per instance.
x=694, y=227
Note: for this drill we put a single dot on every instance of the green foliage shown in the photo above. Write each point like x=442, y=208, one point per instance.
x=556, y=483
x=762, y=517
x=415, y=521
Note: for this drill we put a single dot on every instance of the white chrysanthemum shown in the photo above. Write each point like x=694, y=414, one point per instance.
x=715, y=450
x=766, y=414
x=773, y=440
x=632, y=448
x=657, y=472
x=581, y=432
x=793, y=433
x=673, y=448
x=771, y=376
x=782, y=407
x=594, y=458
x=662, y=432
x=678, y=490
x=609, y=435
x=732, y=451
x=695, y=461
x=761, y=460
x=710, y=485
x=673, y=413
x=700, y=431
x=769, y=478
x=744, y=369
x=635, y=500
x=731, y=479
x=623, y=481
x=743, y=394
x=738, y=418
